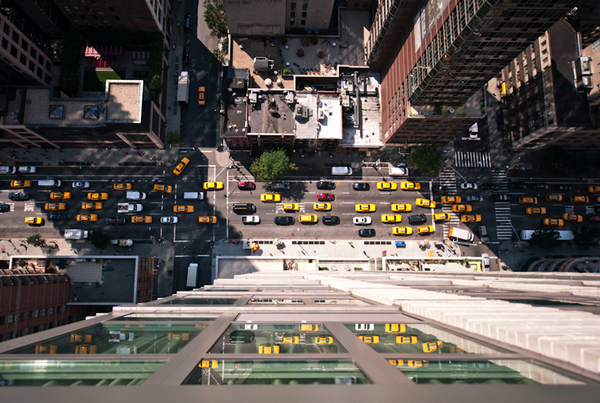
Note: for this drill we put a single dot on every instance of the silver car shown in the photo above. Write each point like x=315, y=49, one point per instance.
x=81, y=185
x=362, y=220
x=168, y=220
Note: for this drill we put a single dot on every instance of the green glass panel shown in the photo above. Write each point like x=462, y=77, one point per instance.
x=418, y=338
x=118, y=338
x=503, y=372
x=76, y=373
x=298, y=338
x=259, y=372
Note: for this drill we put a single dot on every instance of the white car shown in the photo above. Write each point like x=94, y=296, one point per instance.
x=364, y=326
x=27, y=170
x=468, y=185
x=362, y=220
x=250, y=326
x=169, y=220
x=5, y=169
x=81, y=185
x=116, y=336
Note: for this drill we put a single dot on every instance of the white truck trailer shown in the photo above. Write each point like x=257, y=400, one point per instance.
x=183, y=87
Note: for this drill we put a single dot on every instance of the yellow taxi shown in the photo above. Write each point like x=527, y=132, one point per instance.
x=97, y=196
x=46, y=348
x=20, y=184
x=55, y=206
x=402, y=231
x=579, y=199
x=87, y=217
x=387, y=218
x=554, y=222
x=162, y=188
x=369, y=339
x=426, y=229
x=322, y=206
x=451, y=199
x=461, y=208
x=290, y=339
x=535, y=210
x=122, y=186
x=470, y=218
x=425, y=203
x=387, y=186
x=138, y=219
x=86, y=349
x=268, y=349
x=528, y=200
x=212, y=185
x=402, y=207
x=364, y=208
x=308, y=218
x=553, y=197
x=594, y=189
x=395, y=328
x=308, y=328
x=291, y=206
x=410, y=186
x=183, y=209
x=91, y=205
x=441, y=216
x=207, y=219
x=178, y=336
x=181, y=166
x=323, y=340
x=209, y=364
x=572, y=217
x=270, y=197
x=34, y=220
x=81, y=338
x=431, y=346
x=406, y=339
x=60, y=195
x=201, y=96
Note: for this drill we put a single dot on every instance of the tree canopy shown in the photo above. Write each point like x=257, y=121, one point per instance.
x=35, y=240
x=99, y=239
x=272, y=165
x=586, y=237
x=427, y=159
x=545, y=238
x=215, y=18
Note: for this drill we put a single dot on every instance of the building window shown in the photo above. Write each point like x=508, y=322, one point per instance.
x=15, y=37
x=4, y=43
x=117, y=18
x=43, y=327
x=32, y=52
x=7, y=28
x=91, y=112
x=292, y=14
x=44, y=312
x=23, y=59
x=292, y=6
x=26, y=331
x=56, y=112
x=29, y=315
x=24, y=45
x=302, y=22
x=304, y=7
x=291, y=22
x=36, y=313
x=303, y=15
x=9, y=336
x=36, y=329
x=51, y=311
x=13, y=51
x=18, y=333
x=11, y=318
x=64, y=308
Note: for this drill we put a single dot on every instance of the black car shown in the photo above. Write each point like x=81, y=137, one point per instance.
x=539, y=186
x=241, y=337
x=21, y=196
x=114, y=220
x=417, y=219
x=186, y=56
x=188, y=22
x=366, y=232
x=57, y=217
x=331, y=220
x=4, y=207
x=474, y=198
x=564, y=188
x=489, y=186
x=498, y=198
x=325, y=185
x=517, y=185
x=284, y=220
x=361, y=186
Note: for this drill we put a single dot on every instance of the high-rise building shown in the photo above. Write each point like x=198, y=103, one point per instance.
x=343, y=337
x=436, y=55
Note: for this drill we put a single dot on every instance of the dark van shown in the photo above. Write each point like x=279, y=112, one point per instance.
x=280, y=186
x=244, y=208
x=241, y=337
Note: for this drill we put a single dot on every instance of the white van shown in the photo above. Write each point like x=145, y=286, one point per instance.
x=398, y=171
x=50, y=183
x=193, y=195
x=135, y=196
x=341, y=171
x=192, y=275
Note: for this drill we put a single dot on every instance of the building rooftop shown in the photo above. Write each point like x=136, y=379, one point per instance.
x=124, y=101
x=323, y=116
x=270, y=114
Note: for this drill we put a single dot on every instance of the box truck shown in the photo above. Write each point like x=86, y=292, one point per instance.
x=461, y=234
x=192, y=274
x=76, y=234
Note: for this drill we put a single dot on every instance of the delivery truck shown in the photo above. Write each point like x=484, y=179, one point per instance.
x=460, y=234
x=183, y=87
x=192, y=274
x=74, y=234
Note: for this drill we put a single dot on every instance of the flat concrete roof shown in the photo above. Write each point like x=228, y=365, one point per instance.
x=271, y=114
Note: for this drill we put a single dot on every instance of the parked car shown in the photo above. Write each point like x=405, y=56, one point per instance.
x=188, y=22
x=186, y=56
x=517, y=185
x=27, y=170
x=57, y=217
x=539, y=186
x=325, y=185
x=564, y=188
x=331, y=220
x=4, y=207
x=246, y=186
x=366, y=232
x=18, y=196
x=474, y=198
x=361, y=186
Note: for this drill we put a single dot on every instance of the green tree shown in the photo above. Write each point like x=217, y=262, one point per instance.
x=219, y=57
x=35, y=240
x=100, y=239
x=427, y=159
x=545, y=238
x=173, y=138
x=272, y=165
x=215, y=18
x=156, y=85
x=586, y=237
